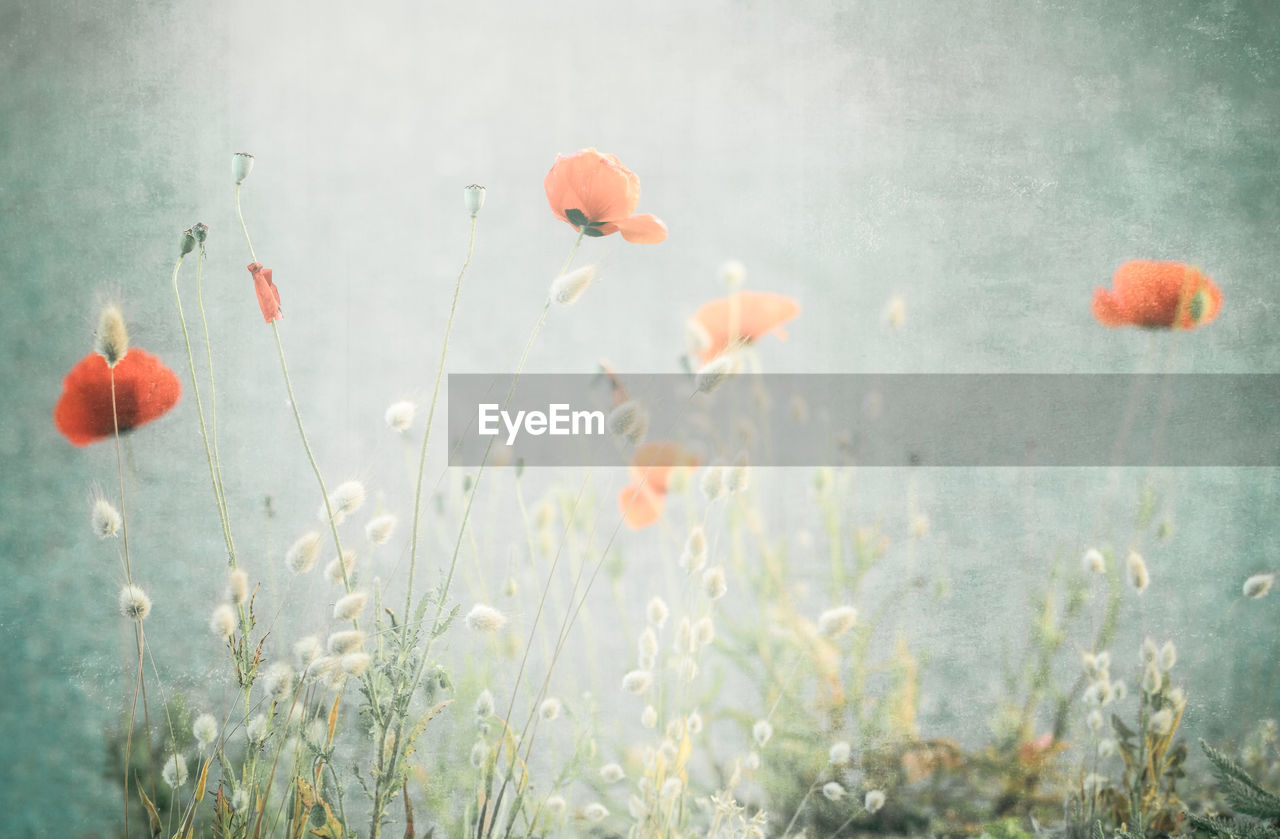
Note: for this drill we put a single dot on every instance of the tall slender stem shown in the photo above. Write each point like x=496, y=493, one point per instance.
x=426, y=435
x=213, y=393
x=244, y=229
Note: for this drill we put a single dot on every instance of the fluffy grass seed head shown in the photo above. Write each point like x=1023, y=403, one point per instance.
x=656, y=612
x=595, y=812
x=834, y=622
x=105, y=518
x=873, y=801
x=647, y=644
x=354, y=664
x=380, y=528
x=1257, y=586
x=624, y=420
x=694, y=555
x=637, y=681
x=1168, y=656
x=1136, y=572
x=693, y=723
x=715, y=372
x=277, y=681
x=704, y=632
x=343, y=501
x=832, y=791
x=733, y=274
x=611, y=773
x=1107, y=747
x=1093, y=562
x=1094, y=721
x=484, y=618
x=334, y=570
x=649, y=717
x=714, y=585
x=113, y=336
x=555, y=805
x=1150, y=652
x=223, y=621
x=348, y=608
x=670, y=789
x=484, y=704
x=1161, y=722
x=839, y=753
x=399, y=416
x=346, y=641
x=1151, y=679
x=737, y=477
x=175, y=771
x=712, y=483
x=205, y=729
x=237, y=586
x=134, y=603
x=567, y=288
x=761, y=732
x=306, y=650
x=550, y=708
x=301, y=556
x=256, y=730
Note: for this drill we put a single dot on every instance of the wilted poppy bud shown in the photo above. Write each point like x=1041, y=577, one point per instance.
x=473, y=198
x=241, y=166
x=200, y=231
x=188, y=243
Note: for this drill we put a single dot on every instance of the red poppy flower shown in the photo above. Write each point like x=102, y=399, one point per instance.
x=1168, y=295
x=641, y=501
x=596, y=194
x=268, y=294
x=743, y=316
x=145, y=389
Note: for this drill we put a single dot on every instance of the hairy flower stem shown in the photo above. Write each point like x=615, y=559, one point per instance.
x=426, y=435
x=213, y=393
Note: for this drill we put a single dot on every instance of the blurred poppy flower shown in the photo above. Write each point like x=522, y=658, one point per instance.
x=268, y=294
x=641, y=502
x=743, y=316
x=596, y=194
x=145, y=389
x=1167, y=295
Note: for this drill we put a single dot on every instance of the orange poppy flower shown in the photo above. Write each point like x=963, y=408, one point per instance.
x=1158, y=295
x=641, y=502
x=596, y=194
x=743, y=316
x=145, y=389
x=268, y=294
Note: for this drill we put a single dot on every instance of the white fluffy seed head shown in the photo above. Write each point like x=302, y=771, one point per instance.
x=134, y=603
x=333, y=572
x=346, y=641
x=1161, y=722
x=238, y=586
x=175, y=771
x=832, y=623
x=694, y=555
x=714, y=585
x=484, y=704
x=704, y=632
x=567, y=288
x=1106, y=747
x=832, y=791
x=715, y=372
x=1151, y=678
x=737, y=477
x=343, y=501
x=670, y=789
x=256, y=730
x=301, y=556
x=647, y=644
x=348, y=608
x=595, y=812
x=399, y=416
x=733, y=274
x=637, y=681
x=656, y=612
x=712, y=483
x=1094, y=562
x=223, y=621
x=839, y=753
x=556, y=805
x=693, y=723
x=484, y=618
x=205, y=729
x=354, y=664
x=306, y=650
x=277, y=681
x=622, y=420
x=550, y=708
x=1257, y=586
x=873, y=801
x=105, y=518
x=1094, y=721
x=113, y=335
x=1168, y=656
x=1136, y=570
x=380, y=528
x=761, y=732
x=649, y=716
x=611, y=773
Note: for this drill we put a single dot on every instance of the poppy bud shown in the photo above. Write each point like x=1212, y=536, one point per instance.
x=200, y=231
x=113, y=336
x=188, y=243
x=473, y=198
x=241, y=166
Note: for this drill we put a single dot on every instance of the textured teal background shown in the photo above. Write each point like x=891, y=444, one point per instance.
x=991, y=162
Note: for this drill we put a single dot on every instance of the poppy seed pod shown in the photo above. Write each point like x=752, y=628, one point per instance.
x=241, y=166
x=473, y=198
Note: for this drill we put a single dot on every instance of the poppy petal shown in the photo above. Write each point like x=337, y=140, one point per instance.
x=596, y=185
x=749, y=315
x=639, y=505
x=1107, y=310
x=268, y=294
x=145, y=389
x=642, y=228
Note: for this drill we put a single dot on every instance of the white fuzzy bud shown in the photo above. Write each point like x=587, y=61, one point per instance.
x=714, y=585
x=835, y=622
x=106, y=519
x=205, y=729
x=223, y=621
x=301, y=556
x=483, y=618
x=399, y=416
x=714, y=373
x=611, y=773
x=712, y=483
x=656, y=612
x=839, y=753
x=1136, y=570
x=380, y=528
x=550, y=708
x=349, y=608
x=1257, y=586
x=649, y=716
x=1161, y=722
x=238, y=586
x=832, y=791
x=637, y=681
x=761, y=732
x=343, y=501
x=873, y=801
x=174, y=772
x=134, y=603
x=1094, y=562
x=567, y=288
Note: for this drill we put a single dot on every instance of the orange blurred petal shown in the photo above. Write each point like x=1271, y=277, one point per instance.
x=640, y=506
x=145, y=390
x=642, y=229
x=654, y=462
x=746, y=316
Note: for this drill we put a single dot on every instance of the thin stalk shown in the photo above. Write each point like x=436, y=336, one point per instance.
x=213, y=393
